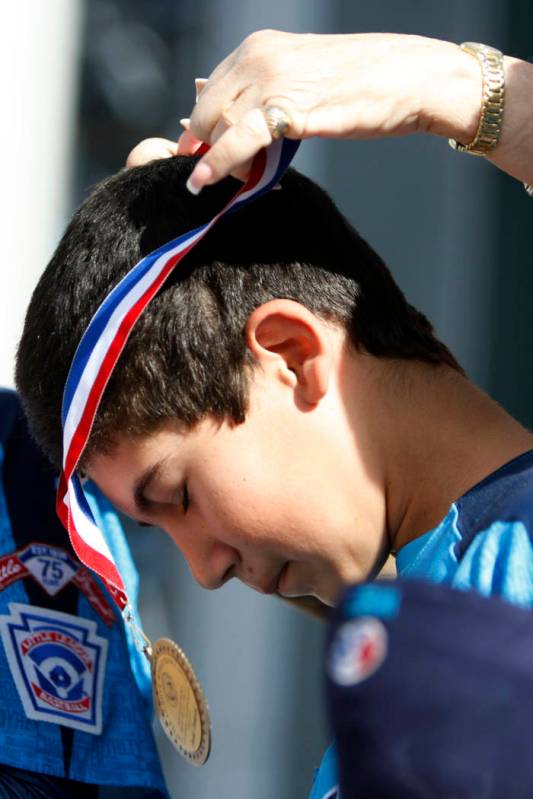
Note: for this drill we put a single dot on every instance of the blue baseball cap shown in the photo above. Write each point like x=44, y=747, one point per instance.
x=430, y=693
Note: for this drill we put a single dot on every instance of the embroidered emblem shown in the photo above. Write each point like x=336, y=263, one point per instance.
x=52, y=568
x=57, y=662
x=357, y=650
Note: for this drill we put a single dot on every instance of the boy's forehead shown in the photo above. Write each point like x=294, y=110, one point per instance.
x=139, y=454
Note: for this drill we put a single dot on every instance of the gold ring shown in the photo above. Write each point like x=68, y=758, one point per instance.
x=278, y=121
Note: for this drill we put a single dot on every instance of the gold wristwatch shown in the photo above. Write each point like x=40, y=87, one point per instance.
x=490, y=123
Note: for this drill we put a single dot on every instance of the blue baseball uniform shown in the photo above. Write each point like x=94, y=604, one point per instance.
x=76, y=699
x=484, y=543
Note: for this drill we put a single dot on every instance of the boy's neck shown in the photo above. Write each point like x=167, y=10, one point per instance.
x=440, y=436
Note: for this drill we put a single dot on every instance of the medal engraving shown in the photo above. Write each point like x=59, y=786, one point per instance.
x=180, y=702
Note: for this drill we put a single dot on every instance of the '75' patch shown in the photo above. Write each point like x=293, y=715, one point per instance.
x=58, y=665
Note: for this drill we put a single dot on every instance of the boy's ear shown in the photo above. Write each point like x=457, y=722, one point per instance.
x=285, y=336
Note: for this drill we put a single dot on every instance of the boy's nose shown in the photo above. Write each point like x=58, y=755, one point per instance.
x=211, y=562
x=213, y=567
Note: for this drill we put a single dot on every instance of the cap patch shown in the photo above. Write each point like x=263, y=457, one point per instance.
x=358, y=649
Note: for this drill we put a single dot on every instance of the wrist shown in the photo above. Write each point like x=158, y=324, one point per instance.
x=453, y=100
x=489, y=130
x=514, y=153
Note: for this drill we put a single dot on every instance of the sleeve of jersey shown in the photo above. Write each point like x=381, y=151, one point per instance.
x=499, y=562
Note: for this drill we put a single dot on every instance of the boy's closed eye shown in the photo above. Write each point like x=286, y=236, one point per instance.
x=183, y=500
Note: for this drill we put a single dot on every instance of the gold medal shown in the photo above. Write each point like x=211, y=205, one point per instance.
x=180, y=702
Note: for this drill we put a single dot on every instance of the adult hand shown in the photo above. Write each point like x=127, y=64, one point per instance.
x=346, y=86
x=356, y=86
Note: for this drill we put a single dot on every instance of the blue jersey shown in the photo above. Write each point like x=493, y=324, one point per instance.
x=484, y=543
x=485, y=540
x=75, y=700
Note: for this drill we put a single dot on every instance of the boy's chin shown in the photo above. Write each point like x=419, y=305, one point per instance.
x=293, y=589
x=309, y=604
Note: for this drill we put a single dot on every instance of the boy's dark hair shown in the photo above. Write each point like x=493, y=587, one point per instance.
x=186, y=358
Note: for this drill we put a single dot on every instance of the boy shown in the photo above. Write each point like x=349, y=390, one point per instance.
x=279, y=409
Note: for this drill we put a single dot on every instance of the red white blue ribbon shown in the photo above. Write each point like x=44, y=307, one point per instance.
x=100, y=348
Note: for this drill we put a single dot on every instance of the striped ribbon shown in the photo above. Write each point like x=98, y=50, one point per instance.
x=100, y=348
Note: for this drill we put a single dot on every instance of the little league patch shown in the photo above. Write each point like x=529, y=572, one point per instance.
x=57, y=662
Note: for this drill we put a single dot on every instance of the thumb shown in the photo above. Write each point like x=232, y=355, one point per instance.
x=151, y=149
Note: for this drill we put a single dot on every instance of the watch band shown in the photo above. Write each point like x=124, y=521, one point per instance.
x=490, y=122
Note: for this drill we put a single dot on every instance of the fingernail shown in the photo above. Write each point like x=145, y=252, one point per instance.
x=199, y=84
x=200, y=176
x=193, y=189
x=185, y=123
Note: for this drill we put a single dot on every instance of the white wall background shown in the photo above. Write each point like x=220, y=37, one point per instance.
x=39, y=58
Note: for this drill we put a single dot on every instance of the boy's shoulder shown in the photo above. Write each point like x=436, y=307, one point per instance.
x=503, y=499
x=485, y=542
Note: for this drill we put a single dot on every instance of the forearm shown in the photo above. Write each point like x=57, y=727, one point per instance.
x=452, y=107
x=514, y=154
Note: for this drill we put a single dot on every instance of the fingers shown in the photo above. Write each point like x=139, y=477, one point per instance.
x=213, y=95
x=231, y=151
x=200, y=86
x=149, y=150
x=187, y=143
